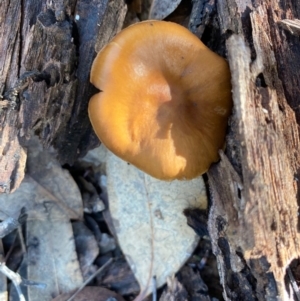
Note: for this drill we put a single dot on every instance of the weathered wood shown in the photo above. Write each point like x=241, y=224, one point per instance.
x=254, y=221
x=58, y=40
x=11, y=153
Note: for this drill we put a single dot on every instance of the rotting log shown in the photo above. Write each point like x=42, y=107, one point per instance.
x=46, y=51
x=254, y=218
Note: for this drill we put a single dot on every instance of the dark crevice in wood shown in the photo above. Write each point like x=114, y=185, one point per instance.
x=213, y=38
x=247, y=29
x=292, y=276
x=260, y=81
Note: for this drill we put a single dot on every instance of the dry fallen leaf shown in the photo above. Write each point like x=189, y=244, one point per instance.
x=87, y=248
x=51, y=198
x=160, y=9
x=91, y=293
x=148, y=219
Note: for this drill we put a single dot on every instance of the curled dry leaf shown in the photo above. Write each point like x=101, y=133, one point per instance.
x=174, y=291
x=86, y=246
x=51, y=198
x=148, y=219
x=160, y=9
x=119, y=278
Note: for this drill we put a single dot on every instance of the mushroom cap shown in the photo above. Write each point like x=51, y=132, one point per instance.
x=164, y=100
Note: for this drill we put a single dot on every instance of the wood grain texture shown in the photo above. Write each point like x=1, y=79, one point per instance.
x=254, y=221
x=56, y=40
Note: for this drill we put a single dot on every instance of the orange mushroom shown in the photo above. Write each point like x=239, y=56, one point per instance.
x=164, y=100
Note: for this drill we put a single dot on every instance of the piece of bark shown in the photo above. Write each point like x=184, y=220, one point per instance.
x=197, y=219
x=58, y=40
x=293, y=26
x=119, y=277
x=194, y=285
x=253, y=222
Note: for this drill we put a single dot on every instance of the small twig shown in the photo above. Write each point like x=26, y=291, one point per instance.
x=21, y=219
x=203, y=260
x=14, y=277
x=39, y=285
x=10, y=223
x=293, y=26
x=22, y=241
x=154, y=292
x=90, y=279
x=11, y=248
x=8, y=226
x=294, y=283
